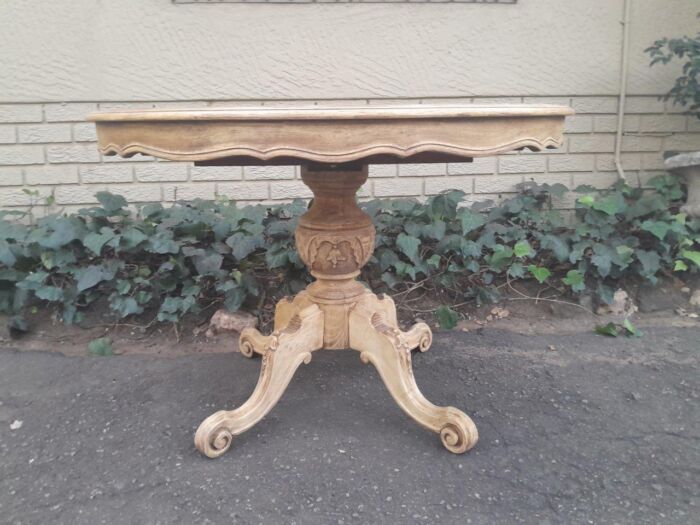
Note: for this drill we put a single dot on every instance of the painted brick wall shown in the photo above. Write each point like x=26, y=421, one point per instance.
x=48, y=149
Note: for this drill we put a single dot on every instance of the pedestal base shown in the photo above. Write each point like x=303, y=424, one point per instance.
x=371, y=329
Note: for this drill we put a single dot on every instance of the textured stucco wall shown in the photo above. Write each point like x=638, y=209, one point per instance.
x=155, y=50
x=61, y=60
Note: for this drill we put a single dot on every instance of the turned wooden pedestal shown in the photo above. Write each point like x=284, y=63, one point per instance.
x=335, y=238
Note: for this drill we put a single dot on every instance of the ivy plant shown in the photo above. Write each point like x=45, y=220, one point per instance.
x=169, y=262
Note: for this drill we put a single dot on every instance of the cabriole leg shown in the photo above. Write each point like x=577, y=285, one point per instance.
x=282, y=353
x=381, y=343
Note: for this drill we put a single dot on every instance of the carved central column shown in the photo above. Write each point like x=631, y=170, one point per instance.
x=335, y=239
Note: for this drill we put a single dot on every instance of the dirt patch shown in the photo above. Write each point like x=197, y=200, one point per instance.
x=525, y=309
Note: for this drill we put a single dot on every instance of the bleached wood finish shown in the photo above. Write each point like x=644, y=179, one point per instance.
x=335, y=238
x=255, y=135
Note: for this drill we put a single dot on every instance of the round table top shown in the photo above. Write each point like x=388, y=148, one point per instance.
x=294, y=135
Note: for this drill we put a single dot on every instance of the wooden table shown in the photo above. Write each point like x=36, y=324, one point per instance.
x=335, y=238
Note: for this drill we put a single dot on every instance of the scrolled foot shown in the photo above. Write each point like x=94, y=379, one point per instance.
x=212, y=437
x=282, y=353
x=459, y=434
x=389, y=350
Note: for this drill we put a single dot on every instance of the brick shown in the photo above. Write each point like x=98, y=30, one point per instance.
x=605, y=123
x=103, y=173
x=21, y=154
x=435, y=185
x=652, y=161
x=594, y=104
x=176, y=104
x=682, y=142
x=138, y=192
x=552, y=178
x=392, y=188
x=121, y=160
x=72, y=153
x=630, y=161
x=21, y=113
x=117, y=106
x=556, y=101
x=578, y=124
x=671, y=107
x=252, y=190
x=498, y=100
x=189, y=192
x=572, y=162
x=497, y=183
x=630, y=123
x=161, y=172
x=7, y=135
x=693, y=123
x=598, y=143
x=639, y=104
x=597, y=180
x=663, y=123
x=76, y=194
x=19, y=197
x=269, y=172
x=383, y=170
x=485, y=165
x=521, y=164
x=291, y=189
x=11, y=176
x=43, y=133
x=56, y=174
x=84, y=132
x=68, y=112
x=216, y=173
x=641, y=143
x=422, y=170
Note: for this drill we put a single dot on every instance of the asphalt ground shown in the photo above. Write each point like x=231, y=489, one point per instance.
x=573, y=429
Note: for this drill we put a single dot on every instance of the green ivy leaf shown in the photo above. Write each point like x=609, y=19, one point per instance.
x=630, y=329
x=7, y=257
x=558, y=246
x=163, y=243
x=516, y=270
x=125, y=306
x=586, y=200
x=92, y=275
x=610, y=204
x=408, y=245
x=447, y=318
x=541, y=274
x=657, y=228
x=110, y=202
x=650, y=262
x=435, y=230
x=208, y=264
x=95, y=241
x=49, y=293
x=680, y=266
x=609, y=329
x=574, y=279
x=691, y=255
x=243, y=245
x=101, y=346
x=470, y=220
x=523, y=249
x=624, y=256
x=234, y=299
